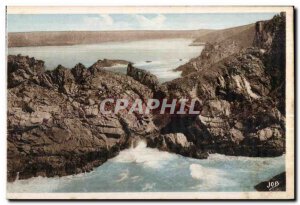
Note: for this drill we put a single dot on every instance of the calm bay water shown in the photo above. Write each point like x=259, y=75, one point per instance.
x=159, y=57
x=143, y=169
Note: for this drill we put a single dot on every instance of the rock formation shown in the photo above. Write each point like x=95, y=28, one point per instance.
x=240, y=93
x=54, y=124
x=55, y=127
x=144, y=77
x=219, y=45
x=109, y=62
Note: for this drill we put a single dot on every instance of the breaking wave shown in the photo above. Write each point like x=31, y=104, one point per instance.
x=141, y=154
x=143, y=169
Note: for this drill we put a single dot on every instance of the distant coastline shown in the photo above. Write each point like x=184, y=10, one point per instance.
x=57, y=38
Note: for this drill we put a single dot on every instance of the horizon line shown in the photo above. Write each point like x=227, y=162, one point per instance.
x=117, y=30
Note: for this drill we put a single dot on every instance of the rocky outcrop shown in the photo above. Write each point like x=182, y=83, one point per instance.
x=212, y=53
x=144, y=77
x=241, y=101
x=110, y=62
x=54, y=124
x=177, y=143
x=23, y=69
x=237, y=114
x=219, y=45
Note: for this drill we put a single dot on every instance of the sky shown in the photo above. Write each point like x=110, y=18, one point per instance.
x=106, y=22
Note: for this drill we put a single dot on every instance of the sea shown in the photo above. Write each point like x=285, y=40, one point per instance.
x=159, y=57
x=140, y=168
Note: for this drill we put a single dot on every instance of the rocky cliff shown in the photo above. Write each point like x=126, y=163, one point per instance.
x=219, y=45
x=55, y=127
x=240, y=93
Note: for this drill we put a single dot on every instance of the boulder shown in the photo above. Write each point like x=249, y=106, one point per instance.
x=236, y=135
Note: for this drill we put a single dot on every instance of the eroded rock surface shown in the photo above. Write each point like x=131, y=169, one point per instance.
x=240, y=93
x=54, y=123
x=144, y=77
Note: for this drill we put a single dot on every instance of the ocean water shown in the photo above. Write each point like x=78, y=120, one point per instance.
x=143, y=169
x=164, y=55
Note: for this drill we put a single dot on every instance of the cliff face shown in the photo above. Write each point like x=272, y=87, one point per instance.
x=221, y=44
x=270, y=37
x=240, y=96
x=211, y=54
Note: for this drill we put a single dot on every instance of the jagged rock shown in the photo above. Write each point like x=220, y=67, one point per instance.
x=22, y=68
x=177, y=139
x=241, y=98
x=54, y=124
x=216, y=108
x=177, y=143
x=267, y=133
x=109, y=63
x=144, y=77
x=236, y=135
x=211, y=54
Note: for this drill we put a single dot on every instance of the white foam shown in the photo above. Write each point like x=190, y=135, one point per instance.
x=123, y=176
x=148, y=186
x=221, y=157
x=135, y=177
x=141, y=154
x=35, y=184
x=218, y=172
x=209, y=178
x=200, y=172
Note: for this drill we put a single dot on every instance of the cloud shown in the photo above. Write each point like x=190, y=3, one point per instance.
x=107, y=19
x=106, y=22
x=156, y=22
x=103, y=21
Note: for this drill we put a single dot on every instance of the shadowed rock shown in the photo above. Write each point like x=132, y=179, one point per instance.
x=143, y=76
